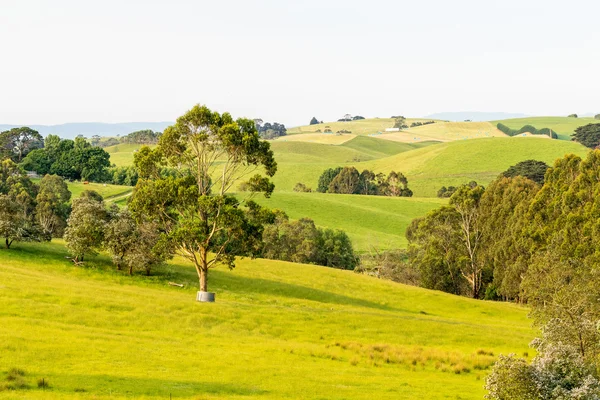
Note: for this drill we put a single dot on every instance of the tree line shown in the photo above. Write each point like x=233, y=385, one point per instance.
x=527, y=129
x=145, y=136
x=347, y=180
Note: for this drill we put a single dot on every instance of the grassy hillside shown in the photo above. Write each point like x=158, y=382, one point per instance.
x=122, y=154
x=278, y=330
x=360, y=127
x=482, y=160
x=372, y=222
x=446, y=131
x=564, y=126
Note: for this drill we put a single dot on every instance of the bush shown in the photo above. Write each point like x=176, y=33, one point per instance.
x=314, y=121
x=527, y=128
x=326, y=177
x=392, y=265
x=588, y=135
x=303, y=242
x=597, y=116
x=301, y=187
x=572, y=115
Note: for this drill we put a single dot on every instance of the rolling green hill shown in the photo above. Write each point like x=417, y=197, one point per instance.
x=372, y=222
x=122, y=154
x=278, y=330
x=564, y=126
x=481, y=160
x=442, y=164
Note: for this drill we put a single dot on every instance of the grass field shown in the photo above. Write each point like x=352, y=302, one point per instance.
x=441, y=164
x=458, y=162
x=121, y=155
x=278, y=330
x=372, y=222
x=367, y=126
x=445, y=132
x=564, y=126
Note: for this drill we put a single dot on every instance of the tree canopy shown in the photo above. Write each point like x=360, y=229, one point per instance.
x=531, y=169
x=196, y=216
x=588, y=135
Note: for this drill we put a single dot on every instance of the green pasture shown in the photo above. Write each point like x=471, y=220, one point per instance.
x=372, y=222
x=367, y=126
x=278, y=330
x=481, y=160
x=563, y=126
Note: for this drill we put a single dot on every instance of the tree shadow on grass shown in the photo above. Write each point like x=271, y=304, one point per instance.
x=135, y=387
x=219, y=280
x=242, y=284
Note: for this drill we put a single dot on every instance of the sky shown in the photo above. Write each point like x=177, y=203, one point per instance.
x=287, y=61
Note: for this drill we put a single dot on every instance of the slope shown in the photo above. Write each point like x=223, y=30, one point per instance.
x=278, y=330
x=459, y=162
x=372, y=222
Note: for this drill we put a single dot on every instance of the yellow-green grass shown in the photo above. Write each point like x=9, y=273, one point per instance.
x=372, y=222
x=121, y=155
x=445, y=131
x=109, y=192
x=278, y=330
x=457, y=162
x=323, y=138
x=360, y=148
x=360, y=127
x=564, y=126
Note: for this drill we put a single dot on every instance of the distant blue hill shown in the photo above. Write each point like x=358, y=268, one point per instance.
x=474, y=116
x=88, y=129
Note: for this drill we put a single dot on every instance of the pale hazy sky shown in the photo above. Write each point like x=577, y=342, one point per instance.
x=118, y=61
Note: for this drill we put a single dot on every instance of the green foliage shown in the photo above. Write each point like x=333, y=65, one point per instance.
x=127, y=176
x=588, y=135
x=53, y=208
x=314, y=121
x=446, y=192
x=302, y=242
x=17, y=206
x=302, y=188
x=16, y=143
x=530, y=169
x=392, y=265
x=85, y=227
x=445, y=245
x=400, y=123
x=270, y=131
x=326, y=177
x=572, y=115
x=146, y=136
x=70, y=159
x=345, y=182
x=597, y=116
x=197, y=219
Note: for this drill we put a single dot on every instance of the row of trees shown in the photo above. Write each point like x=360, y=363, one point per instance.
x=145, y=136
x=303, y=242
x=267, y=130
x=550, y=261
x=131, y=242
x=527, y=129
x=489, y=239
x=30, y=212
x=71, y=159
x=588, y=135
x=347, y=180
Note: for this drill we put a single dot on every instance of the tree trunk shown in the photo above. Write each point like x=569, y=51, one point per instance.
x=8, y=243
x=130, y=270
x=203, y=279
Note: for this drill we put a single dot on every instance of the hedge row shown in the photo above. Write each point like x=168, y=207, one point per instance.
x=527, y=128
